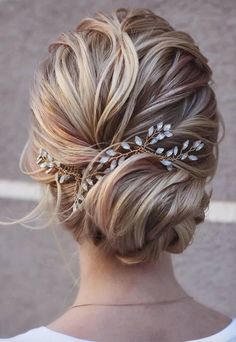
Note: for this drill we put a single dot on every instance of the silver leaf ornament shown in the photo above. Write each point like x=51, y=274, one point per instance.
x=138, y=140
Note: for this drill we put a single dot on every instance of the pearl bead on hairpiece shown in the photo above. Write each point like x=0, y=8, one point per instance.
x=111, y=159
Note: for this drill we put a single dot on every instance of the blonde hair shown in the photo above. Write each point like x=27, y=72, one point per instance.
x=110, y=79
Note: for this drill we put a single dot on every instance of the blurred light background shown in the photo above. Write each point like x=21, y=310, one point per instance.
x=36, y=276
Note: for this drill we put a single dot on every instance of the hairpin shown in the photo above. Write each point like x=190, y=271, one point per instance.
x=112, y=158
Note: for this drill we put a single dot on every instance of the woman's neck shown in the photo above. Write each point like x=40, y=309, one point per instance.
x=104, y=280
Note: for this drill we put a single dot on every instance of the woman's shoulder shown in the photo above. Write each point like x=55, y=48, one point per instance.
x=208, y=324
x=42, y=334
x=227, y=334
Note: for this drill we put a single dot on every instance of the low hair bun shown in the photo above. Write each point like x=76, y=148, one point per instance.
x=138, y=210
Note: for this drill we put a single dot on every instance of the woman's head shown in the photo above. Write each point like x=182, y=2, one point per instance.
x=107, y=81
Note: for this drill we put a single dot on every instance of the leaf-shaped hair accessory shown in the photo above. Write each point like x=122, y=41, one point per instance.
x=113, y=158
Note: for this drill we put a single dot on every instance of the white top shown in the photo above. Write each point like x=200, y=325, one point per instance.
x=44, y=334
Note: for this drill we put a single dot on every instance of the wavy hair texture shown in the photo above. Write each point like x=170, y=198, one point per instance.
x=110, y=79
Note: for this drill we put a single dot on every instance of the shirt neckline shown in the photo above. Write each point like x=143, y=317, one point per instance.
x=220, y=333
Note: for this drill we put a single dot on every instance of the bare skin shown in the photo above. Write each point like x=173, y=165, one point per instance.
x=104, y=280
